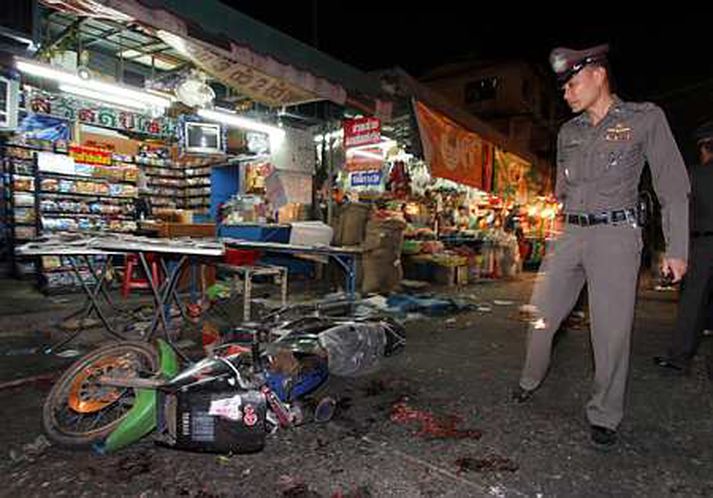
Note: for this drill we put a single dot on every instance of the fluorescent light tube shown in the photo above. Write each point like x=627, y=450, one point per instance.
x=241, y=122
x=48, y=72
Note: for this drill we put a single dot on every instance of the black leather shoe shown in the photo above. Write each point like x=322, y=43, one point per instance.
x=673, y=365
x=520, y=395
x=603, y=438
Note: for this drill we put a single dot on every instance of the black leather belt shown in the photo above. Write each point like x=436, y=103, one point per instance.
x=705, y=233
x=589, y=219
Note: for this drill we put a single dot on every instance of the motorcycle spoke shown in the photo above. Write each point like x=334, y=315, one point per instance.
x=98, y=418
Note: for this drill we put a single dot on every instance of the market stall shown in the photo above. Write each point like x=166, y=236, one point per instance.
x=158, y=133
x=458, y=228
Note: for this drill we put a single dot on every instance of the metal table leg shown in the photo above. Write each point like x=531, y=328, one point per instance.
x=348, y=264
x=99, y=289
x=104, y=272
x=194, y=281
x=247, y=291
x=92, y=303
x=162, y=298
x=160, y=312
x=283, y=277
x=173, y=296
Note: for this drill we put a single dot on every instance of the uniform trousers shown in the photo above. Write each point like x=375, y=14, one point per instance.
x=607, y=258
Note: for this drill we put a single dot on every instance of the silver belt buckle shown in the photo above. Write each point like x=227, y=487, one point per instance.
x=631, y=218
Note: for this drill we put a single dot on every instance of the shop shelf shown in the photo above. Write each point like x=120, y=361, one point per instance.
x=78, y=194
x=85, y=178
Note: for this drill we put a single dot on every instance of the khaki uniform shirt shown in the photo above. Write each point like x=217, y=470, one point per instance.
x=599, y=167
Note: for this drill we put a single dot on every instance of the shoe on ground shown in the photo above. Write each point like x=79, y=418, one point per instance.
x=603, y=437
x=520, y=395
x=672, y=365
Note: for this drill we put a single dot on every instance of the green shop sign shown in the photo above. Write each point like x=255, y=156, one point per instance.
x=93, y=113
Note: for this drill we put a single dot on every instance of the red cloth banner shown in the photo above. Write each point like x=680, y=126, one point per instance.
x=451, y=151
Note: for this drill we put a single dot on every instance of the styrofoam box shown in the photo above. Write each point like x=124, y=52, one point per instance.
x=310, y=233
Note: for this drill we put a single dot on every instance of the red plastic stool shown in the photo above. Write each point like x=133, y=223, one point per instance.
x=131, y=282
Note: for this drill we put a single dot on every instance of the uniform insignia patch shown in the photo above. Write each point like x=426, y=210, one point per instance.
x=619, y=133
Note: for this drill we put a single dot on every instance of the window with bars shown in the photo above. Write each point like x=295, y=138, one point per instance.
x=481, y=90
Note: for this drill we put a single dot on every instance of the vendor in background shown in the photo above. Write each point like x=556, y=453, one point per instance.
x=444, y=220
x=463, y=219
x=404, y=212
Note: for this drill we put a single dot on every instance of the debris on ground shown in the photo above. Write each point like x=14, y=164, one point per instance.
x=358, y=492
x=414, y=284
x=375, y=388
x=30, y=451
x=73, y=324
x=432, y=425
x=503, y=302
x=410, y=317
x=496, y=491
x=133, y=465
x=68, y=353
x=294, y=487
x=377, y=302
x=426, y=304
x=527, y=312
x=19, y=352
x=492, y=463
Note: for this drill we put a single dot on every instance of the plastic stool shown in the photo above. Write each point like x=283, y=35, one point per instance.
x=130, y=282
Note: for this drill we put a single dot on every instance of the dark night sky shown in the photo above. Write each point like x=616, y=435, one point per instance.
x=662, y=56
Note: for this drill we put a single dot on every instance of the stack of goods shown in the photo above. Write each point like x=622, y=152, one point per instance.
x=61, y=186
x=88, y=224
x=382, y=261
x=350, y=224
x=245, y=209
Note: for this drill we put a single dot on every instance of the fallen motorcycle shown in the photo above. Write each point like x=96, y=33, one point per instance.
x=227, y=402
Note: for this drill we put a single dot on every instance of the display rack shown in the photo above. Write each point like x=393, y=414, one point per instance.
x=88, y=198
x=177, y=184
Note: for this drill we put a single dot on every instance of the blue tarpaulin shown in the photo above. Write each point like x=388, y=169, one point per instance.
x=427, y=305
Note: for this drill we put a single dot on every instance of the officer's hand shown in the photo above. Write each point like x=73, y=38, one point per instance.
x=675, y=267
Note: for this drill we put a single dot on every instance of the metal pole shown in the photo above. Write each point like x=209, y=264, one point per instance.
x=330, y=183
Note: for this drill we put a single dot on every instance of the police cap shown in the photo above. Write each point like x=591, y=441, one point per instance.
x=567, y=62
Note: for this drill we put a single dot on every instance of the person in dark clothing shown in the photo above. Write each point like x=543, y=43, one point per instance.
x=696, y=286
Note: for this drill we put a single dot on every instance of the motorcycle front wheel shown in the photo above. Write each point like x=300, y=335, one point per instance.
x=79, y=410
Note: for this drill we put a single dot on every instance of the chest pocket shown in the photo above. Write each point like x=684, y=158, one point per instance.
x=618, y=156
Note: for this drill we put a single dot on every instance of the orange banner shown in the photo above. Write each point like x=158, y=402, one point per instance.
x=452, y=151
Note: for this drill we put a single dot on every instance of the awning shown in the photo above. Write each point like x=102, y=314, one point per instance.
x=253, y=58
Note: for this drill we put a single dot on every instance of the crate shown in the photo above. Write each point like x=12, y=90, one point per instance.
x=241, y=257
x=450, y=275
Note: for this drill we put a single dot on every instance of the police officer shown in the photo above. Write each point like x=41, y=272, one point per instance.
x=600, y=157
x=696, y=286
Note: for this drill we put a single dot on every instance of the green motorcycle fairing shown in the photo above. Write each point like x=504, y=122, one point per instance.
x=141, y=418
